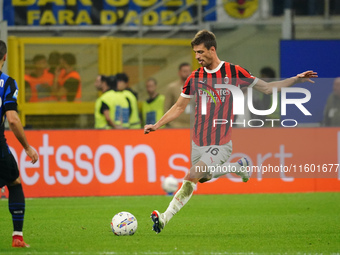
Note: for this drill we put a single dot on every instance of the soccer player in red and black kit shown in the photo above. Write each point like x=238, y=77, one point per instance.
x=9, y=173
x=211, y=145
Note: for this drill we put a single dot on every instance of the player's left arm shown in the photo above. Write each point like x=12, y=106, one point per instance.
x=10, y=108
x=267, y=87
x=176, y=110
x=16, y=127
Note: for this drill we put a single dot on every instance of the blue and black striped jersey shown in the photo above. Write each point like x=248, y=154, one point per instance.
x=8, y=100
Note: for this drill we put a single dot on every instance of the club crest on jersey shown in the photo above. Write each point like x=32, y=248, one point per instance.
x=226, y=80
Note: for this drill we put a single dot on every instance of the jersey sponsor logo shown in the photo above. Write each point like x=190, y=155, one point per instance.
x=211, y=93
x=212, y=90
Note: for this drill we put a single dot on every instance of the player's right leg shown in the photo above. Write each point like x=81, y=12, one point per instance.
x=16, y=204
x=181, y=197
x=9, y=176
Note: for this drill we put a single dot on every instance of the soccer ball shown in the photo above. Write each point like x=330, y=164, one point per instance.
x=124, y=224
x=170, y=184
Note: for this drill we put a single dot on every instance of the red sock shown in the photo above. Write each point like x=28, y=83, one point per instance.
x=18, y=237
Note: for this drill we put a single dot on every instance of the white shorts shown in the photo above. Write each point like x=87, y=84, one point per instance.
x=211, y=155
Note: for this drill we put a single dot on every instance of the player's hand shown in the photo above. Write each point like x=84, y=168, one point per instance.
x=32, y=153
x=149, y=128
x=305, y=76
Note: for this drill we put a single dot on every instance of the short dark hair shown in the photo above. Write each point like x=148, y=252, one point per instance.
x=206, y=37
x=268, y=72
x=38, y=57
x=122, y=77
x=183, y=64
x=103, y=78
x=69, y=58
x=53, y=58
x=3, y=49
x=152, y=79
x=111, y=81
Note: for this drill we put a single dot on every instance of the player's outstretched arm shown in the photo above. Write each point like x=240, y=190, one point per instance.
x=170, y=115
x=16, y=126
x=306, y=76
x=267, y=87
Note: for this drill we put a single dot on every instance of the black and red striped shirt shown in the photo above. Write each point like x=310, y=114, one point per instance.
x=202, y=83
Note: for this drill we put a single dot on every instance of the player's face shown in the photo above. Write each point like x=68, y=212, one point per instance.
x=203, y=55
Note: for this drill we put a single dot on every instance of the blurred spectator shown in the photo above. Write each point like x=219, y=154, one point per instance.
x=267, y=74
x=123, y=83
x=29, y=69
x=262, y=101
x=153, y=107
x=123, y=87
x=67, y=82
x=53, y=61
x=29, y=66
x=173, y=91
x=332, y=108
x=38, y=81
x=105, y=106
x=122, y=111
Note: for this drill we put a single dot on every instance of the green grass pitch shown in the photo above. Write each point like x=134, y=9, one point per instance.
x=304, y=223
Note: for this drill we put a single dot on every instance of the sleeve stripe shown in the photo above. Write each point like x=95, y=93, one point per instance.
x=11, y=106
x=254, y=82
x=247, y=77
x=186, y=96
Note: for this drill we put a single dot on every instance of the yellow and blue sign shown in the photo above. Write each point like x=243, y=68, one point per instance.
x=102, y=12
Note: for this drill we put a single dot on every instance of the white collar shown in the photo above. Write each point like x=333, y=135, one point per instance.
x=216, y=69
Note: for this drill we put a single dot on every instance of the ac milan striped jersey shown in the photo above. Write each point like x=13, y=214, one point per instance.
x=212, y=103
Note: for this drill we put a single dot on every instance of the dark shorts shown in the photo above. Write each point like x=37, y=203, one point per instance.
x=9, y=171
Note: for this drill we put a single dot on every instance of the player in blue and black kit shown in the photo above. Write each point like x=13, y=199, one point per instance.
x=9, y=172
